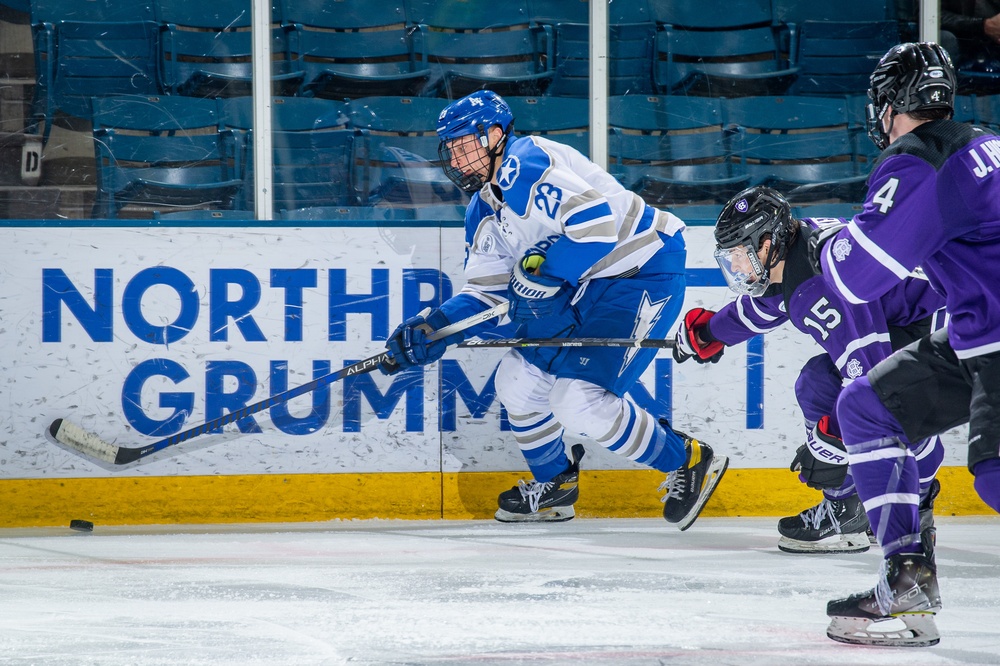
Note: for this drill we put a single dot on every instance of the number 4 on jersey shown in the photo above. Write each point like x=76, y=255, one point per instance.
x=883, y=198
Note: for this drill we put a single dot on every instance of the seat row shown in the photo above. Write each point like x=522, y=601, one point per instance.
x=351, y=49
x=166, y=152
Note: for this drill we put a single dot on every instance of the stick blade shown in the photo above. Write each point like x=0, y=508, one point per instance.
x=83, y=442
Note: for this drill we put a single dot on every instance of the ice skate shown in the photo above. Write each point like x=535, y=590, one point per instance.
x=897, y=612
x=690, y=487
x=928, y=533
x=549, y=502
x=832, y=526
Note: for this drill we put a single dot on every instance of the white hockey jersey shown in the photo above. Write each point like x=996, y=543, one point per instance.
x=554, y=199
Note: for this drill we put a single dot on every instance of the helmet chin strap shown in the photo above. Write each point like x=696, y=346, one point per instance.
x=494, y=153
x=892, y=121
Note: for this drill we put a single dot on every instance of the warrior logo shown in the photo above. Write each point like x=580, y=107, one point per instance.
x=841, y=249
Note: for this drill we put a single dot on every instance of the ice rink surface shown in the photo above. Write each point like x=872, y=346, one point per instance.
x=597, y=591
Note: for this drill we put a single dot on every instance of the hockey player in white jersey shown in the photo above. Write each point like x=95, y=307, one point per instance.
x=576, y=255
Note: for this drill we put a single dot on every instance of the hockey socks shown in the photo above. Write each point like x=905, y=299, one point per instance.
x=987, y=482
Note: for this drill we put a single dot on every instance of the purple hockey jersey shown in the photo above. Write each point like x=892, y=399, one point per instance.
x=855, y=335
x=933, y=201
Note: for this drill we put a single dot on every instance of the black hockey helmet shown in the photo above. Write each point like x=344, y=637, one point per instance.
x=752, y=216
x=914, y=76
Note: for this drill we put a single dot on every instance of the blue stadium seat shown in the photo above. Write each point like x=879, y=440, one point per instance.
x=315, y=156
x=562, y=119
x=552, y=12
x=349, y=50
x=630, y=59
x=797, y=11
x=837, y=57
x=722, y=63
x=343, y=214
x=674, y=150
x=88, y=49
x=711, y=14
x=845, y=210
x=453, y=15
x=473, y=45
x=987, y=111
x=162, y=152
x=205, y=215
x=630, y=45
x=206, y=50
x=402, y=157
x=802, y=146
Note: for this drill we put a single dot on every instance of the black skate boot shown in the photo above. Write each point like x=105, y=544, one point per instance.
x=690, y=487
x=928, y=533
x=549, y=502
x=906, y=594
x=832, y=526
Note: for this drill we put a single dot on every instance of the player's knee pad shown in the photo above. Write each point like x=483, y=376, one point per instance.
x=521, y=387
x=583, y=408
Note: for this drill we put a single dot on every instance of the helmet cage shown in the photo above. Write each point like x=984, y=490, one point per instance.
x=475, y=114
x=480, y=170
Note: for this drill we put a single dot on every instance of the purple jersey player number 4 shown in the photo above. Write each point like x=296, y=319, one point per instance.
x=933, y=201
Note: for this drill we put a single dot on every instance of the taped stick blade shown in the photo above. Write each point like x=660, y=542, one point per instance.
x=81, y=441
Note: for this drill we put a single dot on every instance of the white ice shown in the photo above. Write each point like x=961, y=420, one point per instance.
x=622, y=592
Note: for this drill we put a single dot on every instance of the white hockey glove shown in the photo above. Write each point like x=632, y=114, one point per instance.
x=822, y=461
x=533, y=295
x=686, y=343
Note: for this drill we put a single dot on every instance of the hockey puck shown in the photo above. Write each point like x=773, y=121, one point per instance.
x=81, y=525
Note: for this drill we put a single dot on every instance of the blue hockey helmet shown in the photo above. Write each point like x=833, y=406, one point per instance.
x=915, y=76
x=474, y=114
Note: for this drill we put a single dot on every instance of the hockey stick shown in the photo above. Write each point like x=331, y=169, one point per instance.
x=646, y=343
x=89, y=444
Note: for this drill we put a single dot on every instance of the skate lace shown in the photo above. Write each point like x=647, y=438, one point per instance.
x=813, y=518
x=884, y=594
x=674, y=485
x=532, y=491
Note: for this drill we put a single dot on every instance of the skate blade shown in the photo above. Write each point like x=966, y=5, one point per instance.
x=900, y=630
x=555, y=514
x=715, y=472
x=837, y=544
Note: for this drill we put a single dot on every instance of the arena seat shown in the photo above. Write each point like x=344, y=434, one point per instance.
x=162, y=152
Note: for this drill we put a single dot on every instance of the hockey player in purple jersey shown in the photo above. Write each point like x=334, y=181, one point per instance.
x=933, y=201
x=763, y=253
x=575, y=254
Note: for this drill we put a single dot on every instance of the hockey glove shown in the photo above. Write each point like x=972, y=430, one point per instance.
x=817, y=241
x=686, y=344
x=533, y=295
x=822, y=461
x=410, y=345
